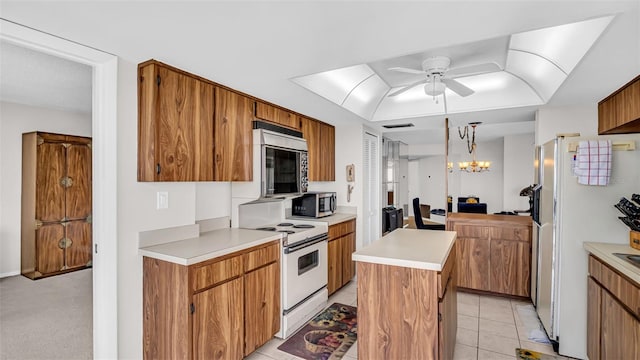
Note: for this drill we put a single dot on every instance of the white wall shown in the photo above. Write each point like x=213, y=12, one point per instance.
x=519, y=155
x=551, y=121
x=431, y=181
x=16, y=119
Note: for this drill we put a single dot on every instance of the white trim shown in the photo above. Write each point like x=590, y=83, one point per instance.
x=10, y=273
x=104, y=127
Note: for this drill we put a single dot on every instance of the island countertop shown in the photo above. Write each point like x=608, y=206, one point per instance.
x=412, y=248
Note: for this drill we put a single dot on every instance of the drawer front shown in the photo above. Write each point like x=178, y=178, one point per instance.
x=470, y=231
x=349, y=226
x=335, y=231
x=207, y=275
x=624, y=290
x=262, y=256
x=342, y=229
x=510, y=233
x=445, y=274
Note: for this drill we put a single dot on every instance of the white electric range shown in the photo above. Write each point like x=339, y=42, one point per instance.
x=304, y=261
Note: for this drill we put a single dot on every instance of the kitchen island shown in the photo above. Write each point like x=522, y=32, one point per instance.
x=407, y=296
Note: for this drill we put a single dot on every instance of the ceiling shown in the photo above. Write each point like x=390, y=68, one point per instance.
x=258, y=47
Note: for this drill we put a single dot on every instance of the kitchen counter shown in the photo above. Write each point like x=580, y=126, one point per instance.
x=604, y=252
x=412, y=248
x=336, y=218
x=208, y=245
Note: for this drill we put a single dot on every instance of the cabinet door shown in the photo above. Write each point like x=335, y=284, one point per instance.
x=348, y=265
x=218, y=326
x=448, y=319
x=620, y=331
x=473, y=263
x=311, y=133
x=594, y=306
x=335, y=265
x=50, y=172
x=50, y=254
x=509, y=268
x=327, y=152
x=262, y=306
x=184, y=121
x=78, y=190
x=233, y=137
x=78, y=252
x=276, y=115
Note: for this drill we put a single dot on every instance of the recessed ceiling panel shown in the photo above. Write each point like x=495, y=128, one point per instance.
x=335, y=85
x=412, y=103
x=540, y=74
x=364, y=99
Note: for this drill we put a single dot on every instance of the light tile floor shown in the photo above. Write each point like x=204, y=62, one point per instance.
x=488, y=328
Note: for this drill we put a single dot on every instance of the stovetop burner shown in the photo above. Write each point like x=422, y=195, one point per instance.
x=303, y=226
x=285, y=224
x=267, y=228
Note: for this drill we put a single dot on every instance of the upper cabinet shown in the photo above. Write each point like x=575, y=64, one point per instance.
x=175, y=125
x=233, y=136
x=276, y=115
x=619, y=113
x=321, y=143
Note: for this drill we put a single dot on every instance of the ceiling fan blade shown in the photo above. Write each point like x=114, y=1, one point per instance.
x=408, y=87
x=472, y=70
x=457, y=87
x=406, y=70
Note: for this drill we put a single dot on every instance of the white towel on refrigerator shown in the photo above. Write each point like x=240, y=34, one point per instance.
x=593, y=162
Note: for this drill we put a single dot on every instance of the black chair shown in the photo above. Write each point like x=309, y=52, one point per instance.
x=478, y=208
x=418, y=218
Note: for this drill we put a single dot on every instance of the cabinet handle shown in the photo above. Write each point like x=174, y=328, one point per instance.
x=158, y=169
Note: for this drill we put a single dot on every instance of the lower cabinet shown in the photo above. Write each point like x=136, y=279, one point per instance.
x=448, y=317
x=342, y=244
x=613, y=325
x=223, y=308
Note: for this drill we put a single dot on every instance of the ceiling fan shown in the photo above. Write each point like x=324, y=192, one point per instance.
x=436, y=75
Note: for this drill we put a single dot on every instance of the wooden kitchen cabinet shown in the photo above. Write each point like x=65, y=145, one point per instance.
x=448, y=313
x=175, y=125
x=320, y=139
x=619, y=113
x=233, y=136
x=613, y=303
x=494, y=252
x=223, y=308
x=276, y=115
x=56, y=235
x=342, y=244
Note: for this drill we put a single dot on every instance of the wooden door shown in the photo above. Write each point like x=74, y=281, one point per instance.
x=233, y=137
x=184, y=137
x=594, y=312
x=327, y=152
x=473, y=263
x=311, y=133
x=49, y=254
x=218, y=328
x=50, y=173
x=334, y=281
x=348, y=265
x=78, y=251
x=262, y=306
x=620, y=331
x=448, y=319
x=78, y=189
x=509, y=270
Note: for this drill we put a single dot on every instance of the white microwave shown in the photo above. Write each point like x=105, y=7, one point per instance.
x=284, y=161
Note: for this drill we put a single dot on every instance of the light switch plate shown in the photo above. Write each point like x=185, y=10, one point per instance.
x=162, y=201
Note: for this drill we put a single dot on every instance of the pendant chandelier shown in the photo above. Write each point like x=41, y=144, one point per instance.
x=474, y=165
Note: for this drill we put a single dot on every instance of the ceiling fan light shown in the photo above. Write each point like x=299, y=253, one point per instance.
x=434, y=88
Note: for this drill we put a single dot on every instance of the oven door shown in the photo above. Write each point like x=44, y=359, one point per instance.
x=304, y=271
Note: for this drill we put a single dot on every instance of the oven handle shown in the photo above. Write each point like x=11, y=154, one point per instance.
x=306, y=243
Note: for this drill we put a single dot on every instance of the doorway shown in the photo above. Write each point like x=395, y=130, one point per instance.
x=372, y=189
x=104, y=158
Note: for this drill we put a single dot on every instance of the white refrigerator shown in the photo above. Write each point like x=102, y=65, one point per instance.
x=569, y=215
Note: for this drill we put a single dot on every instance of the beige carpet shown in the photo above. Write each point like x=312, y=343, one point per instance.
x=50, y=318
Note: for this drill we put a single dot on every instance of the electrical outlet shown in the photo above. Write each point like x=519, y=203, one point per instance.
x=162, y=201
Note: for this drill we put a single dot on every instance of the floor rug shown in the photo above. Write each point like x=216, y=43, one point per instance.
x=327, y=336
x=525, y=354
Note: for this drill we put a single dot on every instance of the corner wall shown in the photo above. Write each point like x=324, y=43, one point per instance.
x=16, y=119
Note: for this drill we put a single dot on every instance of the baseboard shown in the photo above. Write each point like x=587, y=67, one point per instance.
x=7, y=274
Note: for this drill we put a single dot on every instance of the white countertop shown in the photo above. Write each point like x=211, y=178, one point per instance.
x=333, y=219
x=413, y=248
x=604, y=252
x=208, y=245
